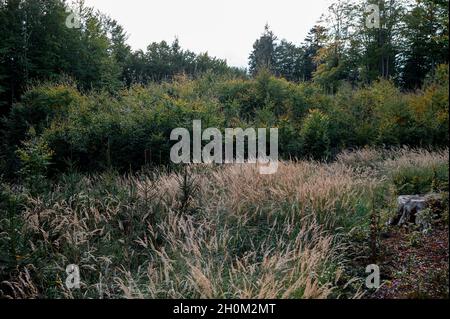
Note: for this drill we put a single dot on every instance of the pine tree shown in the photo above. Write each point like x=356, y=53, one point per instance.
x=263, y=54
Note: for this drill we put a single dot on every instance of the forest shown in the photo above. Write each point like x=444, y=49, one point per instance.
x=86, y=176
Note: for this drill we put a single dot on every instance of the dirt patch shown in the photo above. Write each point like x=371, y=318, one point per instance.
x=414, y=265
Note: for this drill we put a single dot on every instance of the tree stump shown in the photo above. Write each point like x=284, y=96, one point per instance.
x=412, y=207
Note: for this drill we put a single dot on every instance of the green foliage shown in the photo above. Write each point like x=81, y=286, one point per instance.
x=431, y=108
x=40, y=106
x=96, y=124
x=426, y=37
x=34, y=156
x=36, y=45
x=129, y=131
x=97, y=130
x=263, y=56
x=315, y=135
x=411, y=40
x=11, y=240
x=163, y=62
x=341, y=88
x=418, y=180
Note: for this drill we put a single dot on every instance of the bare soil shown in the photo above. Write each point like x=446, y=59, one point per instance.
x=414, y=265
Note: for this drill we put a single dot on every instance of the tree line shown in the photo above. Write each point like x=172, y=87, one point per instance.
x=36, y=44
x=82, y=98
x=405, y=42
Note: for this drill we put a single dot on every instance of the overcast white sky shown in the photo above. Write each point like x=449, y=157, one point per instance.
x=225, y=29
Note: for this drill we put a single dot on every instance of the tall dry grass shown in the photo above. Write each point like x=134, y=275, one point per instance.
x=233, y=234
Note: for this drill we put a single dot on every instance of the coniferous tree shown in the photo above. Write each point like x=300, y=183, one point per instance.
x=263, y=54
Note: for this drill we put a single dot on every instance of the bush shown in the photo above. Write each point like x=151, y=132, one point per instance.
x=315, y=135
x=430, y=109
x=412, y=180
x=127, y=132
x=35, y=156
x=39, y=107
x=99, y=131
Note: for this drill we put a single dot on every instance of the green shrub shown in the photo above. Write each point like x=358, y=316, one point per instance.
x=35, y=156
x=39, y=107
x=315, y=135
x=417, y=180
x=127, y=132
x=131, y=128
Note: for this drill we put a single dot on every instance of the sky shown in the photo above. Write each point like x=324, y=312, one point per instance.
x=225, y=29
